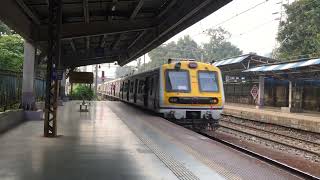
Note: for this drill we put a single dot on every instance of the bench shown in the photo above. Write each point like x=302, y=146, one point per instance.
x=84, y=107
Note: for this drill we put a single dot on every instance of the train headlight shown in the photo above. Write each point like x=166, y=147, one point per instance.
x=173, y=99
x=214, y=101
x=193, y=65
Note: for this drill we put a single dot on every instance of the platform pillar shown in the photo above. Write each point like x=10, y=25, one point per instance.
x=63, y=86
x=297, y=97
x=290, y=95
x=28, y=99
x=54, y=51
x=261, y=92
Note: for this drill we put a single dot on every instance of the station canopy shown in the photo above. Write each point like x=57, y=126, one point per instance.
x=105, y=31
x=236, y=65
x=302, y=69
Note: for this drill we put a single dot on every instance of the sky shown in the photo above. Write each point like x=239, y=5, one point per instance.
x=252, y=31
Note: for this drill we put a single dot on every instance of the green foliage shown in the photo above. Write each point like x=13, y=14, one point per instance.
x=4, y=29
x=124, y=71
x=184, y=48
x=219, y=47
x=11, y=53
x=299, y=35
x=82, y=92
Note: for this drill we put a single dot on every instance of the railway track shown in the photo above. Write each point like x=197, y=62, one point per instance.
x=298, y=142
x=301, y=143
x=285, y=140
x=276, y=163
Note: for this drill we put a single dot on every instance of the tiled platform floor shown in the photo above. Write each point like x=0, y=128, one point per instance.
x=116, y=141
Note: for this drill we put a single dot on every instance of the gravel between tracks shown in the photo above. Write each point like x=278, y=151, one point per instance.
x=297, y=142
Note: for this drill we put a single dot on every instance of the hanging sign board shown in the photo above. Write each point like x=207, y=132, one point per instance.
x=81, y=77
x=254, y=91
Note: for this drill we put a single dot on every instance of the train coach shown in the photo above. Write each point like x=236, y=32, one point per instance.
x=184, y=91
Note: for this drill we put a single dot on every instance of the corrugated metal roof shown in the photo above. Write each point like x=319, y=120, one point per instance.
x=230, y=61
x=285, y=66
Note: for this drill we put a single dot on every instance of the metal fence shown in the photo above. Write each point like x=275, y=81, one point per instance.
x=11, y=89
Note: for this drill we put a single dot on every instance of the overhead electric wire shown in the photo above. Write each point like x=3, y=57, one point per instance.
x=234, y=16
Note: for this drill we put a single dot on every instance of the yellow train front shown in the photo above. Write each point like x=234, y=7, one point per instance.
x=184, y=91
x=191, y=90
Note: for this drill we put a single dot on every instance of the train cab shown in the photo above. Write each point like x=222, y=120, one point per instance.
x=191, y=90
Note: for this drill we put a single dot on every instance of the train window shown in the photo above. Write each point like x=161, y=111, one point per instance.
x=178, y=81
x=208, y=81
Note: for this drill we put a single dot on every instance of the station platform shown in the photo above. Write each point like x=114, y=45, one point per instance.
x=114, y=141
x=303, y=121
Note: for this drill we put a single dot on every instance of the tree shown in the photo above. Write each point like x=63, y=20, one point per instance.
x=11, y=53
x=124, y=71
x=4, y=29
x=82, y=92
x=299, y=34
x=186, y=47
x=219, y=47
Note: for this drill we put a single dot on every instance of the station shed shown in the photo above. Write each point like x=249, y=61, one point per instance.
x=299, y=81
x=237, y=83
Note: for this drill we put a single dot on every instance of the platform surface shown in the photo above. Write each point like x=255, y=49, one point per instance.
x=304, y=121
x=117, y=141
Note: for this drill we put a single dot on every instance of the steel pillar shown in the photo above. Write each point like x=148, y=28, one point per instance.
x=54, y=46
x=261, y=92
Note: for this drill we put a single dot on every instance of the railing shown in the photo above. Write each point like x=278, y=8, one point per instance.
x=11, y=90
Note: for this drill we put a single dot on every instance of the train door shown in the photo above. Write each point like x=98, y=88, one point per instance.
x=135, y=91
x=128, y=90
x=156, y=90
x=146, y=92
x=122, y=89
x=151, y=92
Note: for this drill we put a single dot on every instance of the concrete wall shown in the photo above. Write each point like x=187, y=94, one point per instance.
x=10, y=119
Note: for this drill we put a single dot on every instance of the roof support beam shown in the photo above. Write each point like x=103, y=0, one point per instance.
x=116, y=42
x=73, y=47
x=113, y=8
x=11, y=15
x=103, y=40
x=138, y=38
x=76, y=30
x=136, y=9
x=84, y=59
x=26, y=9
x=86, y=11
x=188, y=13
x=171, y=3
x=88, y=42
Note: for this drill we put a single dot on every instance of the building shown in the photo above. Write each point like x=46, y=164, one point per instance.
x=292, y=86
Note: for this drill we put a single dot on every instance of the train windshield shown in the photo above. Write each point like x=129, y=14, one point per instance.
x=208, y=81
x=178, y=81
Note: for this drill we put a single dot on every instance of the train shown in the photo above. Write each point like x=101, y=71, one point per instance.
x=182, y=90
